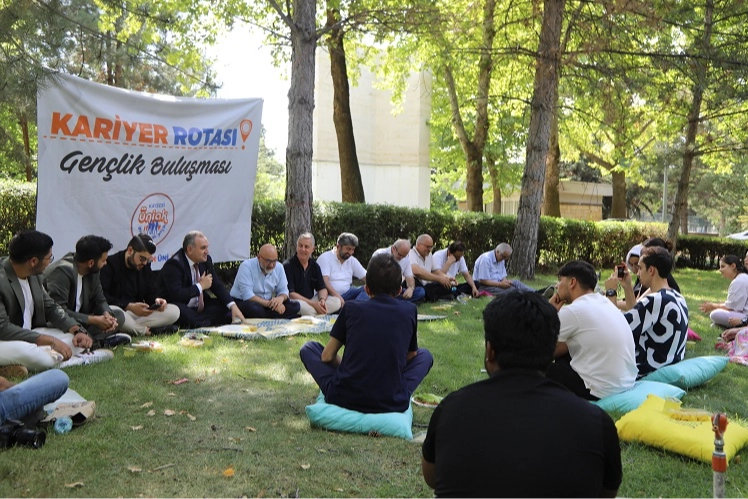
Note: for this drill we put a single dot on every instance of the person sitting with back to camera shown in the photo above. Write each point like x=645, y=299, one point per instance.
x=382, y=365
x=734, y=311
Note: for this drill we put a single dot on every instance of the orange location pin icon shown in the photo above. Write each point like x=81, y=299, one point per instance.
x=245, y=128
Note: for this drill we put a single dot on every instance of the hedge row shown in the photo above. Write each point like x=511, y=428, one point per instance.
x=603, y=244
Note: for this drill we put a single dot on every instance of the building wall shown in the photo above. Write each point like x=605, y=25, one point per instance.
x=393, y=151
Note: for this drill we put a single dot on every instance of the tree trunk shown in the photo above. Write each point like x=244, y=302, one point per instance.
x=525, y=241
x=618, y=209
x=694, y=117
x=551, y=200
x=26, y=147
x=495, y=183
x=350, y=173
x=473, y=149
x=300, y=125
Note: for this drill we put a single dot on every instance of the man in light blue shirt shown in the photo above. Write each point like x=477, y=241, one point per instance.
x=490, y=271
x=261, y=288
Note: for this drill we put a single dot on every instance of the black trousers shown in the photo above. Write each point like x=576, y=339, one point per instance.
x=562, y=372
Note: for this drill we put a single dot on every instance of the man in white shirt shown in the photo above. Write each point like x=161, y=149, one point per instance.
x=400, y=250
x=490, y=271
x=595, y=354
x=339, y=267
x=426, y=273
x=450, y=261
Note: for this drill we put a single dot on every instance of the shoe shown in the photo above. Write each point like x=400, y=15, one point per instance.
x=16, y=371
x=84, y=359
x=115, y=339
x=162, y=330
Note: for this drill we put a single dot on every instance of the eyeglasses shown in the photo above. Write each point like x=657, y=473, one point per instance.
x=51, y=257
x=267, y=260
x=143, y=259
x=397, y=254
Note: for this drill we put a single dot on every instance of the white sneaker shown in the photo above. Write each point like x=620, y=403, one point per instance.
x=84, y=359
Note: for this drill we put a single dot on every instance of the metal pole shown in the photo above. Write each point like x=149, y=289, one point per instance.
x=719, y=458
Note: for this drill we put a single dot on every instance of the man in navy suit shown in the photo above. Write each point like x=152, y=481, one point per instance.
x=189, y=281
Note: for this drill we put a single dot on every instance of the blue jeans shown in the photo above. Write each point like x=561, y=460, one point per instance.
x=419, y=294
x=28, y=396
x=355, y=293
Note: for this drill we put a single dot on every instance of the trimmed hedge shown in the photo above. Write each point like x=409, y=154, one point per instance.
x=604, y=244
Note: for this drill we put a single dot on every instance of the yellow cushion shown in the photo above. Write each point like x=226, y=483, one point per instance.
x=662, y=423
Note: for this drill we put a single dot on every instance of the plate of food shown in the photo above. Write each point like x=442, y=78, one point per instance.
x=148, y=346
x=426, y=400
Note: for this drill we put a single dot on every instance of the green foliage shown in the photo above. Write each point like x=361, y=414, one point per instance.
x=17, y=210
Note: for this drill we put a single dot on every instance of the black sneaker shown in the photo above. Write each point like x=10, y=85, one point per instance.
x=115, y=339
x=163, y=330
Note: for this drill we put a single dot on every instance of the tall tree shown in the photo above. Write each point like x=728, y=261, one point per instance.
x=525, y=240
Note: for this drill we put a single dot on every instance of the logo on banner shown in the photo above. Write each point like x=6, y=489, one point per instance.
x=153, y=216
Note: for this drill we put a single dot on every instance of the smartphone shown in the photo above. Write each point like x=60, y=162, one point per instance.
x=155, y=306
x=621, y=271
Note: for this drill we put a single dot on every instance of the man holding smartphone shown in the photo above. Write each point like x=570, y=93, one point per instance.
x=129, y=285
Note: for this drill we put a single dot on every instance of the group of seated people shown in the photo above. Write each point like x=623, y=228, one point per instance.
x=594, y=345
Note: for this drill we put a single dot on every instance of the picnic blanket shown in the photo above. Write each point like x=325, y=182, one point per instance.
x=270, y=329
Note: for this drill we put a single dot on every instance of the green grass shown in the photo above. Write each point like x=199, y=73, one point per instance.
x=262, y=385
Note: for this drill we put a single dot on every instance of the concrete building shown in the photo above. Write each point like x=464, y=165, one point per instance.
x=393, y=150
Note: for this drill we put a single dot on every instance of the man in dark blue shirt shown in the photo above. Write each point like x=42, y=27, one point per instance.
x=382, y=364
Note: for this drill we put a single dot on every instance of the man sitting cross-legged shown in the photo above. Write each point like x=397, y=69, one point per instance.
x=434, y=282
x=305, y=282
x=27, y=312
x=450, y=261
x=595, y=351
x=518, y=434
x=490, y=271
x=659, y=320
x=400, y=251
x=339, y=267
x=382, y=364
x=129, y=284
x=261, y=289
x=73, y=281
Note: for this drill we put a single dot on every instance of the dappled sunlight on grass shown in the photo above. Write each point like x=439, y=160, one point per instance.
x=274, y=371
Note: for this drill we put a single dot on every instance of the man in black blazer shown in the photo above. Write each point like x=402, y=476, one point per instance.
x=189, y=280
x=73, y=281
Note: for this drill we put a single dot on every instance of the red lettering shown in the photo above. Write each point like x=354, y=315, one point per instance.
x=60, y=123
x=103, y=128
x=160, y=134
x=82, y=127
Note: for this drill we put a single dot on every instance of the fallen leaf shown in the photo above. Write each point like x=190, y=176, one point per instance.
x=228, y=472
x=178, y=381
x=136, y=428
x=147, y=404
x=150, y=413
x=235, y=439
x=191, y=417
x=134, y=469
x=305, y=466
x=339, y=490
x=182, y=412
x=171, y=394
x=249, y=428
x=322, y=451
x=199, y=380
x=457, y=312
x=169, y=412
x=74, y=485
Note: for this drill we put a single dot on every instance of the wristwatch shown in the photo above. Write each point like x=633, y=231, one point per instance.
x=611, y=292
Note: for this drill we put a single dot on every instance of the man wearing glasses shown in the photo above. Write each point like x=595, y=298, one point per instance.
x=189, y=280
x=490, y=271
x=261, y=287
x=400, y=249
x=26, y=310
x=130, y=285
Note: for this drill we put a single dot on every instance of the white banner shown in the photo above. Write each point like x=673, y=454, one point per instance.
x=116, y=163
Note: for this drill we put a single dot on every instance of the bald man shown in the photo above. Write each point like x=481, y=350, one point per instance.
x=261, y=288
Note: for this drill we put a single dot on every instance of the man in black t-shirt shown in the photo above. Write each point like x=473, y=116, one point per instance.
x=305, y=282
x=518, y=434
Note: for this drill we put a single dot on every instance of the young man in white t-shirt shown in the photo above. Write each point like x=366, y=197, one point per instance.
x=595, y=354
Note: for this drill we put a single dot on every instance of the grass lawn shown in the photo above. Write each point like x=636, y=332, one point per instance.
x=247, y=400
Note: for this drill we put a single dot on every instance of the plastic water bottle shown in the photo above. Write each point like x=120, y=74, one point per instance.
x=463, y=298
x=63, y=425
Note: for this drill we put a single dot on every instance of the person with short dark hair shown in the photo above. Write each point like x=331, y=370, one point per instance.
x=659, y=320
x=189, y=280
x=638, y=291
x=30, y=319
x=74, y=282
x=382, y=365
x=734, y=311
x=518, y=434
x=451, y=261
x=129, y=285
x=594, y=355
